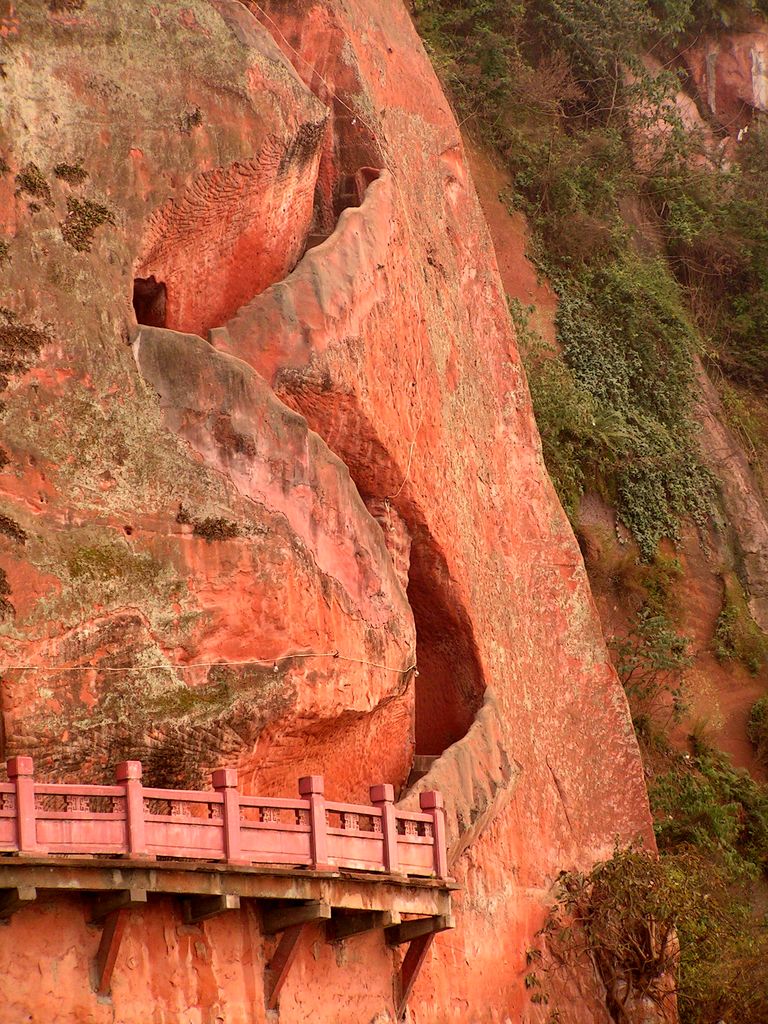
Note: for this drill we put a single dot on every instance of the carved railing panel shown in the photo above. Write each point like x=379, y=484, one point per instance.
x=131, y=820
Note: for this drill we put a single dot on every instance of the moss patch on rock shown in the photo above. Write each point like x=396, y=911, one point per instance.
x=6, y=608
x=31, y=181
x=757, y=728
x=20, y=345
x=737, y=636
x=84, y=218
x=10, y=528
x=147, y=712
x=215, y=528
x=210, y=528
x=73, y=174
x=65, y=6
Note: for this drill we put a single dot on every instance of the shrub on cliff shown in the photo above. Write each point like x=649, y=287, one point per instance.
x=716, y=224
x=757, y=728
x=737, y=636
x=615, y=407
x=614, y=412
x=703, y=801
x=711, y=823
x=653, y=928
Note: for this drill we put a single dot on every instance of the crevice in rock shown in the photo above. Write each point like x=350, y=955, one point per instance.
x=149, y=301
x=231, y=233
x=352, y=154
x=449, y=687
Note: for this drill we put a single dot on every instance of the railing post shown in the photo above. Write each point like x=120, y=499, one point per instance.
x=225, y=782
x=383, y=796
x=432, y=803
x=128, y=773
x=312, y=787
x=21, y=772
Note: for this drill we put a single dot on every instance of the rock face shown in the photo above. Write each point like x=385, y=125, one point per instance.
x=730, y=72
x=296, y=518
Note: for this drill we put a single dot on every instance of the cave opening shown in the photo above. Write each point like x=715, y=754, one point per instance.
x=449, y=685
x=150, y=301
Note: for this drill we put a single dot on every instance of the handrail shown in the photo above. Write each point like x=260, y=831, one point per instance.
x=45, y=819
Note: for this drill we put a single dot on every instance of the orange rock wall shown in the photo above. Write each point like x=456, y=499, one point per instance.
x=343, y=482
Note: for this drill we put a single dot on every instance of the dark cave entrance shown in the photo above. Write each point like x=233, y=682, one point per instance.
x=449, y=686
x=149, y=301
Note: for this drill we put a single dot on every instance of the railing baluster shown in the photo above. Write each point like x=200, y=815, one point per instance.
x=21, y=772
x=82, y=818
x=432, y=803
x=383, y=796
x=313, y=787
x=128, y=773
x=225, y=782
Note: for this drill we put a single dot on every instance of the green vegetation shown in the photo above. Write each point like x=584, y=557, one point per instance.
x=83, y=218
x=757, y=728
x=216, y=528
x=111, y=566
x=627, y=917
x=211, y=528
x=717, y=235
x=701, y=801
x=73, y=174
x=688, y=915
x=20, y=344
x=559, y=89
x=6, y=608
x=656, y=261
x=190, y=119
x=737, y=636
x=31, y=181
x=650, y=660
x=10, y=528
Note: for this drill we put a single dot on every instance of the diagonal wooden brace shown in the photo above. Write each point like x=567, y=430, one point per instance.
x=409, y=971
x=111, y=913
x=280, y=964
x=111, y=937
x=12, y=900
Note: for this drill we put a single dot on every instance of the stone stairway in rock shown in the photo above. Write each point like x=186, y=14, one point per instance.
x=315, y=239
x=421, y=765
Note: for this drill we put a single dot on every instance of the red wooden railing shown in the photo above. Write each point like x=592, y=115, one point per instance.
x=129, y=819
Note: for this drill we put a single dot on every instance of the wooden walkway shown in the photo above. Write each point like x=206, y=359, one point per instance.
x=355, y=868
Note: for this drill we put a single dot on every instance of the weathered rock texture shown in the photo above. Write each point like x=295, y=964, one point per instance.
x=730, y=72
x=235, y=548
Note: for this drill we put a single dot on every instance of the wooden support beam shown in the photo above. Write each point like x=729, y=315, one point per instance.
x=409, y=930
x=280, y=964
x=200, y=908
x=111, y=937
x=119, y=900
x=409, y=970
x=342, y=926
x=278, y=919
x=12, y=900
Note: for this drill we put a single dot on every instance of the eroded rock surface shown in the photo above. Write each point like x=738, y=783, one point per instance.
x=236, y=528
x=730, y=72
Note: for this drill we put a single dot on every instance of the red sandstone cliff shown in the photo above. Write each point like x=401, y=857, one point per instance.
x=339, y=482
